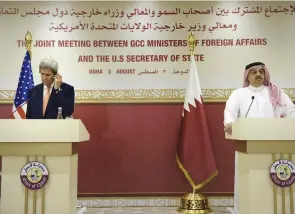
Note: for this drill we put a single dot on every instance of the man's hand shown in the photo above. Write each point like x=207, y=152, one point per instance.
x=228, y=128
x=58, y=81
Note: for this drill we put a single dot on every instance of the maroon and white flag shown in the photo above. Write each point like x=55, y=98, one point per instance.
x=194, y=151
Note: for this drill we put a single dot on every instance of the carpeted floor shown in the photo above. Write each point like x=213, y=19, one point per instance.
x=146, y=210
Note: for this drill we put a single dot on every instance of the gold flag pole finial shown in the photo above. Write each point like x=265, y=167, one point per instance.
x=28, y=42
x=195, y=202
x=191, y=43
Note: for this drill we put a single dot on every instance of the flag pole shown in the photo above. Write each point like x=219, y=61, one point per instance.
x=28, y=42
x=191, y=43
x=195, y=202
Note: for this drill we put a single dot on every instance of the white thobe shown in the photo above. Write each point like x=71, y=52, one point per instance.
x=238, y=104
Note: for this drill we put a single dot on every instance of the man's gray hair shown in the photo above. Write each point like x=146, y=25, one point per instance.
x=50, y=63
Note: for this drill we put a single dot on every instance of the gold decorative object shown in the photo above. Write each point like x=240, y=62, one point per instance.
x=191, y=43
x=142, y=95
x=194, y=203
x=28, y=41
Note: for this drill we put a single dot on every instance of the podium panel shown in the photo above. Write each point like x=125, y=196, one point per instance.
x=59, y=195
x=264, y=168
x=256, y=191
x=34, y=192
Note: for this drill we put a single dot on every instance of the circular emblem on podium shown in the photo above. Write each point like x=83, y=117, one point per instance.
x=34, y=175
x=282, y=173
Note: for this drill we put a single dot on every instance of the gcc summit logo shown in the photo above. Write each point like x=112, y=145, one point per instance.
x=282, y=173
x=34, y=175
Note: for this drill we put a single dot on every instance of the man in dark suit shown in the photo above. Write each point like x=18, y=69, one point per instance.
x=51, y=94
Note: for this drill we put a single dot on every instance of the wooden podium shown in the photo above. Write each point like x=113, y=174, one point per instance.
x=53, y=143
x=260, y=142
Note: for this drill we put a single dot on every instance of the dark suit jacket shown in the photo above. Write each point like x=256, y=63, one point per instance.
x=64, y=98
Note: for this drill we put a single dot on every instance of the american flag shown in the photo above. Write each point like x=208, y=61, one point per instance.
x=25, y=83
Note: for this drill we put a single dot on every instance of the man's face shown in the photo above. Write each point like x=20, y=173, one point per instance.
x=256, y=76
x=46, y=76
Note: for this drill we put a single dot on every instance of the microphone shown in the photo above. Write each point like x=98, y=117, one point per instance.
x=21, y=105
x=250, y=106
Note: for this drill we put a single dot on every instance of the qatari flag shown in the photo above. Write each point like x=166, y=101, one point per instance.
x=194, y=151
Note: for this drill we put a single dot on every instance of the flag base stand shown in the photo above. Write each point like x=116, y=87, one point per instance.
x=194, y=203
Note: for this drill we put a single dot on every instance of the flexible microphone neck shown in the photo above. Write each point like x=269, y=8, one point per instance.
x=250, y=106
x=20, y=106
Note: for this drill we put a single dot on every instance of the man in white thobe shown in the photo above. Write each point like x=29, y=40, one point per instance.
x=267, y=101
